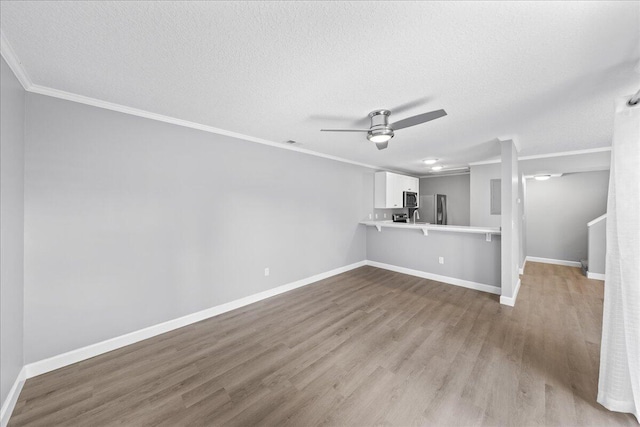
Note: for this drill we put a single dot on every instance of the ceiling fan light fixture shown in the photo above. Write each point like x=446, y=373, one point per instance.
x=381, y=131
x=429, y=161
x=379, y=135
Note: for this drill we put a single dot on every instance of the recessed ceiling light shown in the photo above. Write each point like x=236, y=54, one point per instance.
x=436, y=168
x=429, y=161
x=542, y=177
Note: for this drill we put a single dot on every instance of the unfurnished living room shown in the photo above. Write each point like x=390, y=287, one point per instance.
x=292, y=213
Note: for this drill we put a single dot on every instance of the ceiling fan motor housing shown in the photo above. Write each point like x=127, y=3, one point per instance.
x=380, y=118
x=380, y=124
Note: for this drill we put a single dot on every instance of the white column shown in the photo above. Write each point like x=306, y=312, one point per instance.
x=510, y=223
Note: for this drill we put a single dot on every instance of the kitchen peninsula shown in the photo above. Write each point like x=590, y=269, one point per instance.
x=459, y=255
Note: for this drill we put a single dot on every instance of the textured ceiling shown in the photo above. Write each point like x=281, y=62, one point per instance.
x=545, y=73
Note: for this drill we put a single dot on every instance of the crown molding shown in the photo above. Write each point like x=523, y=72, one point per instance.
x=566, y=153
x=485, y=162
x=448, y=172
x=14, y=63
x=444, y=175
x=42, y=90
x=546, y=156
x=16, y=66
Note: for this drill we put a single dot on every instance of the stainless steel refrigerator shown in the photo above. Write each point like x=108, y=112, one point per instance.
x=433, y=208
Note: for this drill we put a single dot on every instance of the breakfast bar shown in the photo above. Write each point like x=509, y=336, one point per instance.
x=465, y=256
x=425, y=227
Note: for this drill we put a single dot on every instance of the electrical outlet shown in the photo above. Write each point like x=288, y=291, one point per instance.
x=369, y=216
x=266, y=271
x=376, y=216
x=441, y=260
x=385, y=215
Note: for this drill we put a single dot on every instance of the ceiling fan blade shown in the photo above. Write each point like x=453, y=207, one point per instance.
x=416, y=120
x=344, y=130
x=382, y=145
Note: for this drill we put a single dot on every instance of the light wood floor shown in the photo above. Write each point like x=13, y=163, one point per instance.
x=368, y=347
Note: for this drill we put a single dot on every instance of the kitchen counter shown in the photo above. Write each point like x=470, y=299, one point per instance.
x=426, y=227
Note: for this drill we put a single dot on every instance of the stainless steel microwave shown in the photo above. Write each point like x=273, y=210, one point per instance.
x=410, y=199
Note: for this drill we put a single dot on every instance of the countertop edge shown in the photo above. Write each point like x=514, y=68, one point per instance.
x=434, y=227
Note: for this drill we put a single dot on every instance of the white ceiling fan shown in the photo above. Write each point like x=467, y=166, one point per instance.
x=381, y=131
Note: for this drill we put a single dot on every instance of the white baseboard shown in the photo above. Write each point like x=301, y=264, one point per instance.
x=554, y=261
x=74, y=356
x=524, y=264
x=445, y=279
x=596, y=276
x=12, y=398
x=511, y=301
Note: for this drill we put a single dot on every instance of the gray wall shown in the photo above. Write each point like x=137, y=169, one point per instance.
x=12, y=97
x=558, y=211
x=130, y=222
x=466, y=256
x=382, y=212
x=458, y=191
x=480, y=208
x=597, y=238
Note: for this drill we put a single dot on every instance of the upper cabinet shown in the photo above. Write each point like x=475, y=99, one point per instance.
x=408, y=183
x=389, y=189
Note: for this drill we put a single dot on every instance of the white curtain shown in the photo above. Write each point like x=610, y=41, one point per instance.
x=619, y=384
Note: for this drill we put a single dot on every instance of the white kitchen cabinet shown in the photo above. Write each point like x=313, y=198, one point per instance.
x=389, y=189
x=409, y=183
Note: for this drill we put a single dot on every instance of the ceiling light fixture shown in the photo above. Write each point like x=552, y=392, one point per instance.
x=429, y=161
x=380, y=135
x=381, y=131
x=542, y=177
x=436, y=168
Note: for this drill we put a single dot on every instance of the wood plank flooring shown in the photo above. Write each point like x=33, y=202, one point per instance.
x=368, y=347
